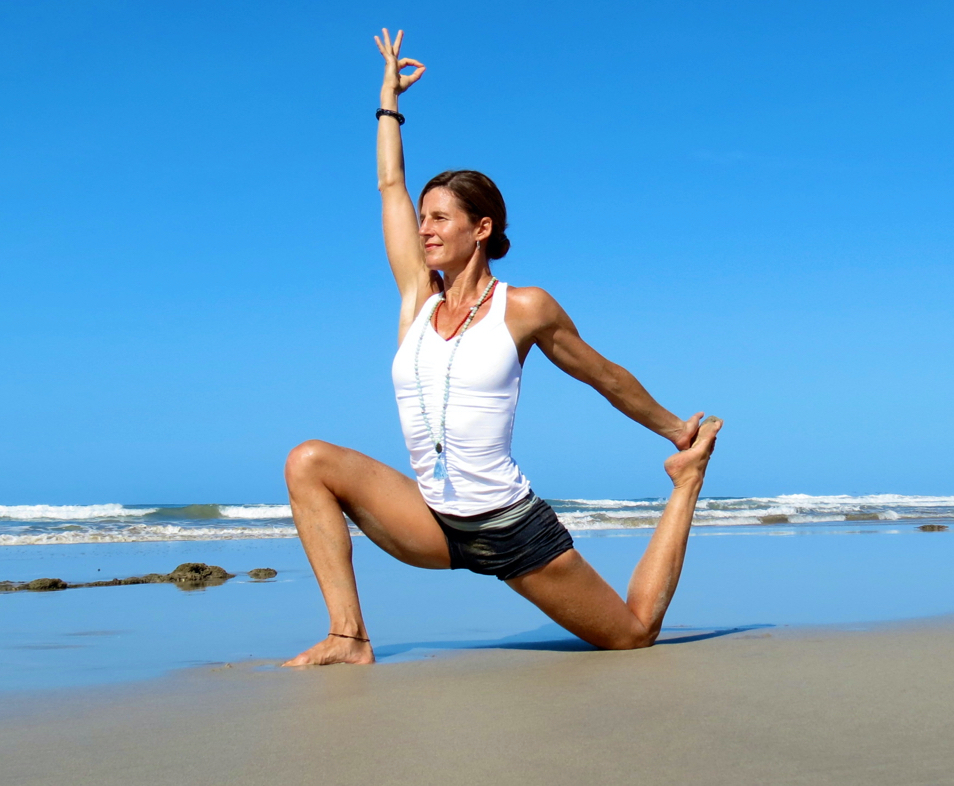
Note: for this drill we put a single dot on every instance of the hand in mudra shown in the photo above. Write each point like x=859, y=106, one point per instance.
x=393, y=64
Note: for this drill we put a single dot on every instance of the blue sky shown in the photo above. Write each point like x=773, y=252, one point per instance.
x=747, y=204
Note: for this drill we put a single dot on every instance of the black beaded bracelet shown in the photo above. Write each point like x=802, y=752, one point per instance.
x=390, y=113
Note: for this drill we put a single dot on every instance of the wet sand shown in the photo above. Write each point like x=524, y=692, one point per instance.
x=770, y=706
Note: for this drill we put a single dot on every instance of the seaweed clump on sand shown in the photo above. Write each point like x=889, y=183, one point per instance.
x=188, y=576
x=37, y=585
x=198, y=574
x=149, y=578
x=933, y=528
x=45, y=585
x=259, y=574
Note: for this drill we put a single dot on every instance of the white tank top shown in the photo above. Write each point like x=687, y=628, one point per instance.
x=484, y=387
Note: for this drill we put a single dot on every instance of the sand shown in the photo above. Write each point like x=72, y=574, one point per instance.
x=771, y=706
x=492, y=693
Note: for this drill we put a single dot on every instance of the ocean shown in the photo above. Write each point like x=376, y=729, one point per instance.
x=33, y=525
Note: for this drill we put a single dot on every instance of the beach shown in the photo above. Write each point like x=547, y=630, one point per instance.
x=812, y=707
x=260, y=252
x=805, y=651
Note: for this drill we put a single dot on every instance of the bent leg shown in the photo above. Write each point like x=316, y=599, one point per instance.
x=325, y=482
x=573, y=594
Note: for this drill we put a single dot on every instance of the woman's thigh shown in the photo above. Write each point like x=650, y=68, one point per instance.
x=386, y=505
x=570, y=592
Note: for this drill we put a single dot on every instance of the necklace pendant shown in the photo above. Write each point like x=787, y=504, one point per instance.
x=440, y=468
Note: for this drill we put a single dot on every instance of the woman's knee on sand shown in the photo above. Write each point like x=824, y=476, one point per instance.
x=631, y=635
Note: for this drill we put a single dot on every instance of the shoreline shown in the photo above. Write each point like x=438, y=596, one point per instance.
x=548, y=639
x=109, y=635
x=790, y=706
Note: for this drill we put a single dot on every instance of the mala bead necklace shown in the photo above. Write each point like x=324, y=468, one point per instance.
x=438, y=440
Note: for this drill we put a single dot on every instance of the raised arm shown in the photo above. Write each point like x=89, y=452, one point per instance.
x=399, y=215
x=540, y=320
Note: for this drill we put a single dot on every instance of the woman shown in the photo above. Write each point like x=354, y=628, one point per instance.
x=463, y=337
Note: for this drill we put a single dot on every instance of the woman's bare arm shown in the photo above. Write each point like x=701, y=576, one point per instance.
x=542, y=321
x=399, y=216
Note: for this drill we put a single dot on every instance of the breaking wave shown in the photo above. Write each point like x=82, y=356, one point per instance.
x=23, y=525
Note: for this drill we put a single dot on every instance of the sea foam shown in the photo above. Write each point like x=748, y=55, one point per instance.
x=22, y=525
x=69, y=512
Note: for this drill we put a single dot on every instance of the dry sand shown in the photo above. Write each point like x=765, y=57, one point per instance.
x=761, y=707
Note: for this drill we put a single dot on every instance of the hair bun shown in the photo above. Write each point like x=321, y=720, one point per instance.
x=498, y=244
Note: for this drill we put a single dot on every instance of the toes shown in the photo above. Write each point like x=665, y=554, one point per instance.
x=708, y=429
x=706, y=440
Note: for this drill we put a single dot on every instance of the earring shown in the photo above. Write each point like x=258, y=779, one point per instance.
x=478, y=245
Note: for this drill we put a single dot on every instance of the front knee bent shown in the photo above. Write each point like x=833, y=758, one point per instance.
x=306, y=462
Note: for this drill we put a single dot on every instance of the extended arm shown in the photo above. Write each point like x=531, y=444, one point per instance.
x=551, y=328
x=398, y=213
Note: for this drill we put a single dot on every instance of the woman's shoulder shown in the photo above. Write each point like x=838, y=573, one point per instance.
x=530, y=309
x=531, y=301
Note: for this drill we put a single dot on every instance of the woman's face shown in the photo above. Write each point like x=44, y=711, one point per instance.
x=447, y=233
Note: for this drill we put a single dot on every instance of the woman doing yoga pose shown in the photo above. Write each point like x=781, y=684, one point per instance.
x=463, y=337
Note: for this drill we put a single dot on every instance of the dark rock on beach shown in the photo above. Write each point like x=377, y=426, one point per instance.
x=45, y=585
x=152, y=578
x=262, y=573
x=933, y=528
x=188, y=576
x=197, y=576
x=199, y=573
x=110, y=583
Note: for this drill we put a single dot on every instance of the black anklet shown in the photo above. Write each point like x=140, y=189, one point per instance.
x=356, y=638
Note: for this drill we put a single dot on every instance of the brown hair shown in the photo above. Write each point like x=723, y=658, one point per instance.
x=479, y=197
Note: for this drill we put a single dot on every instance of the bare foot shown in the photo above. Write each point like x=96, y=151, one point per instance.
x=334, y=650
x=684, y=437
x=689, y=466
